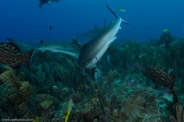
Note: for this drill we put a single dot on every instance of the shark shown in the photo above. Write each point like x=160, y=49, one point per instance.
x=64, y=47
x=88, y=54
x=91, y=52
x=94, y=31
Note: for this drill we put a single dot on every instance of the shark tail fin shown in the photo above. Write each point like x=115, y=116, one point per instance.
x=24, y=47
x=76, y=41
x=115, y=14
x=112, y=11
x=124, y=21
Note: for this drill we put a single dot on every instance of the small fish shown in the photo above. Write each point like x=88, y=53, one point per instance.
x=50, y=27
x=70, y=105
x=165, y=29
x=86, y=87
x=143, y=55
x=121, y=9
x=36, y=119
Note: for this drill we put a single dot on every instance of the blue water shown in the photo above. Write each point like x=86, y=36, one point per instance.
x=25, y=21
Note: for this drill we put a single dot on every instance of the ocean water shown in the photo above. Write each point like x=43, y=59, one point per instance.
x=25, y=21
x=44, y=77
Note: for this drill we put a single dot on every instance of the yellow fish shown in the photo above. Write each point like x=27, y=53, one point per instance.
x=70, y=105
x=36, y=119
x=121, y=9
x=86, y=87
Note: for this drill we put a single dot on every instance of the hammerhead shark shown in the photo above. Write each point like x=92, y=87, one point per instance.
x=91, y=52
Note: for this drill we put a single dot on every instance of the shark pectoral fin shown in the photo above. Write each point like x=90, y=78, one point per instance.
x=96, y=59
x=124, y=21
x=112, y=40
x=76, y=41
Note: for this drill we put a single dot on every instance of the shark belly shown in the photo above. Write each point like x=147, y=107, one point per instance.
x=92, y=52
x=100, y=53
x=58, y=49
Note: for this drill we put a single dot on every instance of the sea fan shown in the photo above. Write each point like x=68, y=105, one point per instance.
x=16, y=92
x=159, y=76
x=179, y=116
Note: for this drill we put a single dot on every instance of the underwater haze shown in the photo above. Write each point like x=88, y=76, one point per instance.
x=25, y=21
x=92, y=60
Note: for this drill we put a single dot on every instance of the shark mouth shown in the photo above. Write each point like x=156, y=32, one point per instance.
x=11, y=55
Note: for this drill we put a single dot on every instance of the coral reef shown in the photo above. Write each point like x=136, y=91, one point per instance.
x=46, y=105
x=113, y=92
x=179, y=117
x=17, y=93
x=166, y=38
x=160, y=77
x=11, y=55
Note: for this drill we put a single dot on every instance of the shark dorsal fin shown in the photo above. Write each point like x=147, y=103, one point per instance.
x=76, y=41
x=95, y=27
